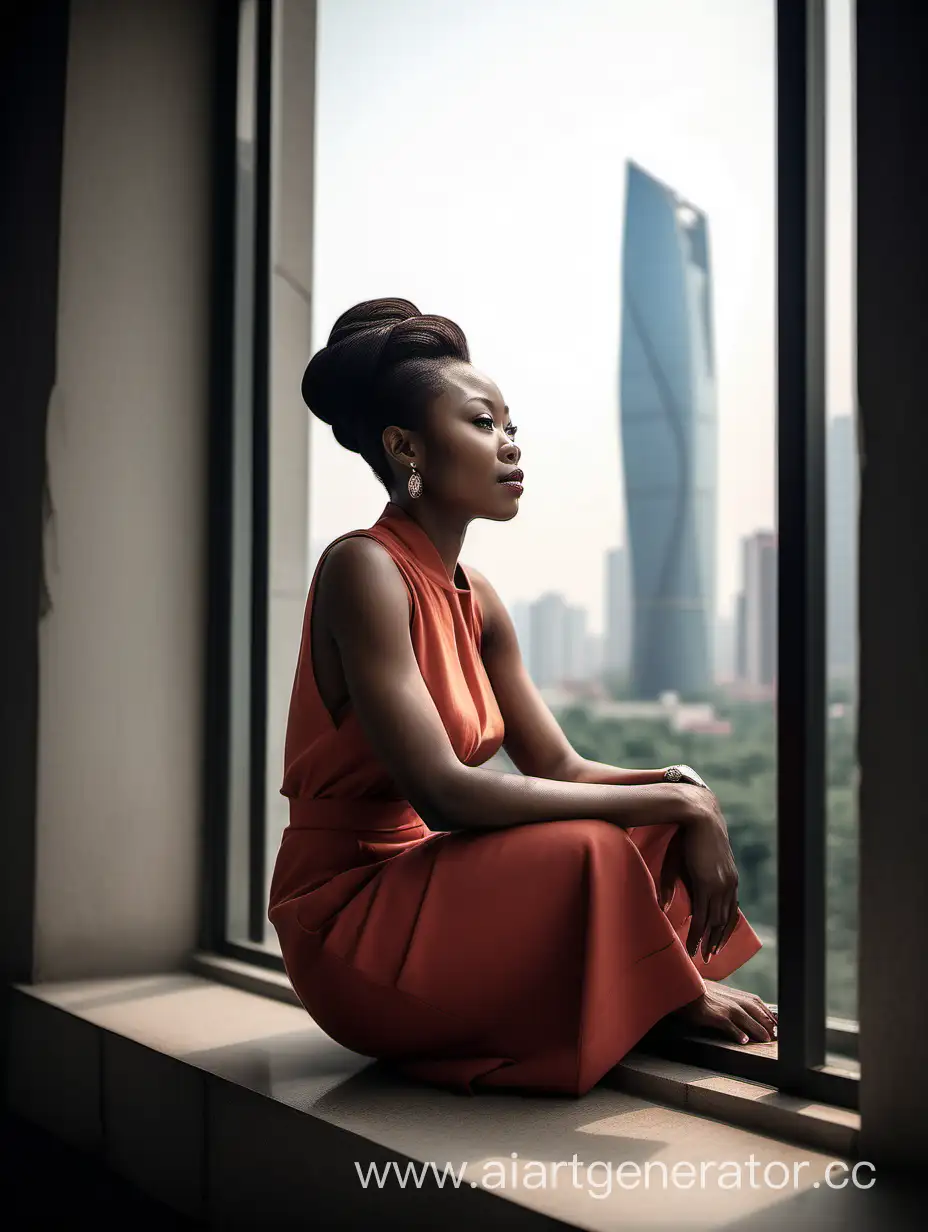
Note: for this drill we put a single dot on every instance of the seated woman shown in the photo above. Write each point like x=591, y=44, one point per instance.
x=477, y=929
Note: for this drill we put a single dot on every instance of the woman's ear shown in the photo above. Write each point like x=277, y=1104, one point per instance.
x=399, y=446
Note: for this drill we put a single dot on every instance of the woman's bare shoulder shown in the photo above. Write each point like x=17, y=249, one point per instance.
x=359, y=571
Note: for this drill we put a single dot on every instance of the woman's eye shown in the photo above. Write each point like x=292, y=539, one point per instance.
x=486, y=421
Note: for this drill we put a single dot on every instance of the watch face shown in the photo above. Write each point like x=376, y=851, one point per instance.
x=677, y=774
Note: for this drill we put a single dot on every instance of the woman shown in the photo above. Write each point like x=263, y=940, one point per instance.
x=477, y=929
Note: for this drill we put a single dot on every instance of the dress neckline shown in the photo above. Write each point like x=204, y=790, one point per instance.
x=405, y=527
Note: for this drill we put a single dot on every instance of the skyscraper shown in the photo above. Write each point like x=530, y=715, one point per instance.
x=558, y=642
x=575, y=645
x=617, y=645
x=668, y=428
x=592, y=656
x=547, y=636
x=741, y=645
x=521, y=613
x=757, y=610
x=841, y=524
x=726, y=650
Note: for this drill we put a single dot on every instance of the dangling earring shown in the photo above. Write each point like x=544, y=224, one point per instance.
x=415, y=483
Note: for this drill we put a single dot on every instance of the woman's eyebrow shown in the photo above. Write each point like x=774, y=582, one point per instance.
x=480, y=398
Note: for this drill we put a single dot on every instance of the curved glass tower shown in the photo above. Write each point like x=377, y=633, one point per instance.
x=668, y=428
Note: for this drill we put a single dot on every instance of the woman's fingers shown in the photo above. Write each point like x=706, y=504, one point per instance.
x=723, y=1022
x=751, y=1025
x=667, y=886
x=711, y=913
x=730, y=923
x=697, y=923
x=671, y=871
x=718, y=923
x=712, y=916
x=756, y=1008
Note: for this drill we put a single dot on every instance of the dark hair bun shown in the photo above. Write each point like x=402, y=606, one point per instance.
x=341, y=379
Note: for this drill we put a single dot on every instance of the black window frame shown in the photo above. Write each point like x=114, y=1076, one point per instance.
x=800, y=1065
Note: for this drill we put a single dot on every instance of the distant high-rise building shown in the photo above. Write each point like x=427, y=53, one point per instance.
x=724, y=659
x=841, y=546
x=618, y=616
x=741, y=649
x=547, y=619
x=575, y=643
x=593, y=656
x=668, y=426
x=521, y=619
x=558, y=641
x=757, y=607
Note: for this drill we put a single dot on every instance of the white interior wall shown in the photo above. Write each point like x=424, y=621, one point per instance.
x=121, y=653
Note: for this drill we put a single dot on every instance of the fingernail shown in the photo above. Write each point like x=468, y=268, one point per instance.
x=744, y=1039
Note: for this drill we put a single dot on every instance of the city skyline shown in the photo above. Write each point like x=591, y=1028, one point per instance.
x=518, y=239
x=744, y=644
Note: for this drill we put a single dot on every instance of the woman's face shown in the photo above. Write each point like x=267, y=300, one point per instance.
x=466, y=448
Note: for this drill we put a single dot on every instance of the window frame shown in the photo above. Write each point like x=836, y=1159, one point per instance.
x=800, y=1065
x=246, y=480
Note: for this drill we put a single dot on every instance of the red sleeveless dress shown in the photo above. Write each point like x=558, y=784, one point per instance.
x=532, y=957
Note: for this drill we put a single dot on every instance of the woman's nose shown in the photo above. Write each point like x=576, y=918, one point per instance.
x=511, y=451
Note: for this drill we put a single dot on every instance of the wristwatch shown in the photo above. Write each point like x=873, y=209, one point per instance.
x=684, y=774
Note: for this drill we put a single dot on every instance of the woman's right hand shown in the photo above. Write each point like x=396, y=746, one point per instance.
x=709, y=874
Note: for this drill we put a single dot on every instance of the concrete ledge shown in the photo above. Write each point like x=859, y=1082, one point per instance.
x=738, y=1101
x=235, y=1108
x=744, y=1102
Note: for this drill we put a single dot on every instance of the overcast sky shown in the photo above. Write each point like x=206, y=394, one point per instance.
x=471, y=158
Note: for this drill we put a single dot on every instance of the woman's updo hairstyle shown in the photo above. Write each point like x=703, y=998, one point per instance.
x=382, y=365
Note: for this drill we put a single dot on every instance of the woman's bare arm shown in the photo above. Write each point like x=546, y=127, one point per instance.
x=366, y=607
x=535, y=740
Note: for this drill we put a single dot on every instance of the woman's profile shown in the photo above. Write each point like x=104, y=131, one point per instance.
x=476, y=929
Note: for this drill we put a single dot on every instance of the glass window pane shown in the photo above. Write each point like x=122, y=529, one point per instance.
x=841, y=542
x=239, y=725
x=608, y=247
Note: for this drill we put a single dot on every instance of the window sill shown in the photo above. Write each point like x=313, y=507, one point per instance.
x=745, y=1102
x=226, y=1104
